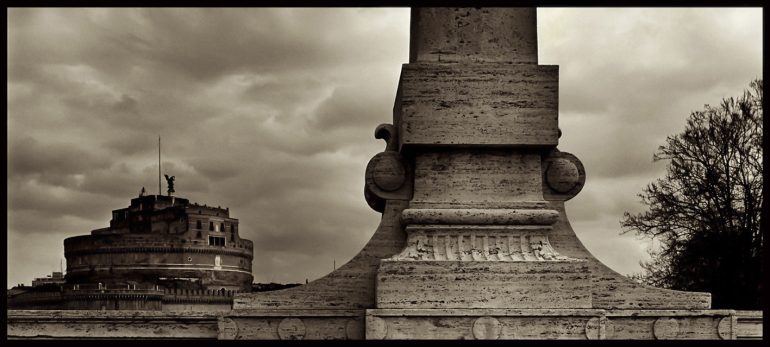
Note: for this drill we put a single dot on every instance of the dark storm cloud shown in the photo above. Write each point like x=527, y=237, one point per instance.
x=271, y=113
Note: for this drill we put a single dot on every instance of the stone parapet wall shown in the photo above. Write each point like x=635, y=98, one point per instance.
x=267, y=324
x=581, y=324
x=71, y=324
x=208, y=210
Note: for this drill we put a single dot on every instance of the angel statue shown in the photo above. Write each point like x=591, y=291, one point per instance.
x=170, y=182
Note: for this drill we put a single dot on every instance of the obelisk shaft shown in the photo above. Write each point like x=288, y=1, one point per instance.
x=474, y=35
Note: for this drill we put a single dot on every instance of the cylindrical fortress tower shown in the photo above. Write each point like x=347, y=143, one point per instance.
x=165, y=243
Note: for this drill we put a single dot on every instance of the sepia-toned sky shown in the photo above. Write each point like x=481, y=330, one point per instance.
x=271, y=112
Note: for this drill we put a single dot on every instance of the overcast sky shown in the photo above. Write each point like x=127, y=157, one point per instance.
x=271, y=113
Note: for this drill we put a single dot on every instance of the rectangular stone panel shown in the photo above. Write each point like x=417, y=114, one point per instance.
x=549, y=324
x=483, y=284
x=478, y=104
x=468, y=178
x=480, y=324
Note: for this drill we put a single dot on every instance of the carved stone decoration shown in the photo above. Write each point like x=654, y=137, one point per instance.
x=609, y=329
x=376, y=328
x=228, y=329
x=490, y=244
x=486, y=328
x=291, y=329
x=596, y=328
x=563, y=176
x=388, y=175
x=725, y=328
x=665, y=328
x=354, y=329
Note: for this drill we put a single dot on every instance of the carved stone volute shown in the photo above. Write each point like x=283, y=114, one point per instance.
x=388, y=175
x=563, y=176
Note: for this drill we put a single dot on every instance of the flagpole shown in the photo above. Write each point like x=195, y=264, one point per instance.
x=159, y=190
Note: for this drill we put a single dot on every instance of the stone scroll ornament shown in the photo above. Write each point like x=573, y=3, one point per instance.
x=563, y=176
x=388, y=175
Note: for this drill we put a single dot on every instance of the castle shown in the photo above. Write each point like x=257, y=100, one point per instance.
x=161, y=253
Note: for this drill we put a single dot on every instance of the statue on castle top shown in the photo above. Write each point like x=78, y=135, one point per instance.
x=142, y=193
x=170, y=182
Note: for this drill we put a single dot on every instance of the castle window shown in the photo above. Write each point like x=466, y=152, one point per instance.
x=216, y=241
x=198, y=224
x=211, y=226
x=232, y=228
x=222, y=227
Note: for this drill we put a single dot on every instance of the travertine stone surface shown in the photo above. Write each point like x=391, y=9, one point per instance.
x=483, y=284
x=474, y=35
x=548, y=324
x=559, y=180
x=295, y=324
x=612, y=290
x=47, y=324
x=475, y=116
x=478, y=104
x=486, y=328
x=747, y=325
x=464, y=324
x=466, y=178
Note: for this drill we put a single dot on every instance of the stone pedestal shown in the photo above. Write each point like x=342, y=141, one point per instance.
x=474, y=241
x=477, y=128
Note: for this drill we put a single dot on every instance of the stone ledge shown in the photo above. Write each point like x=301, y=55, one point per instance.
x=478, y=216
x=554, y=324
x=62, y=324
x=269, y=324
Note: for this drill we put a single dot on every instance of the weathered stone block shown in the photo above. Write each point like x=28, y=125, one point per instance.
x=481, y=324
x=483, y=284
x=474, y=34
x=48, y=324
x=478, y=104
x=468, y=178
x=293, y=324
x=592, y=324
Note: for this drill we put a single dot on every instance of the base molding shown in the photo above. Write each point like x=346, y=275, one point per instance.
x=529, y=324
x=267, y=324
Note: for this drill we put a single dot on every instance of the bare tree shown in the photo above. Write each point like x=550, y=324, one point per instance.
x=706, y=210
